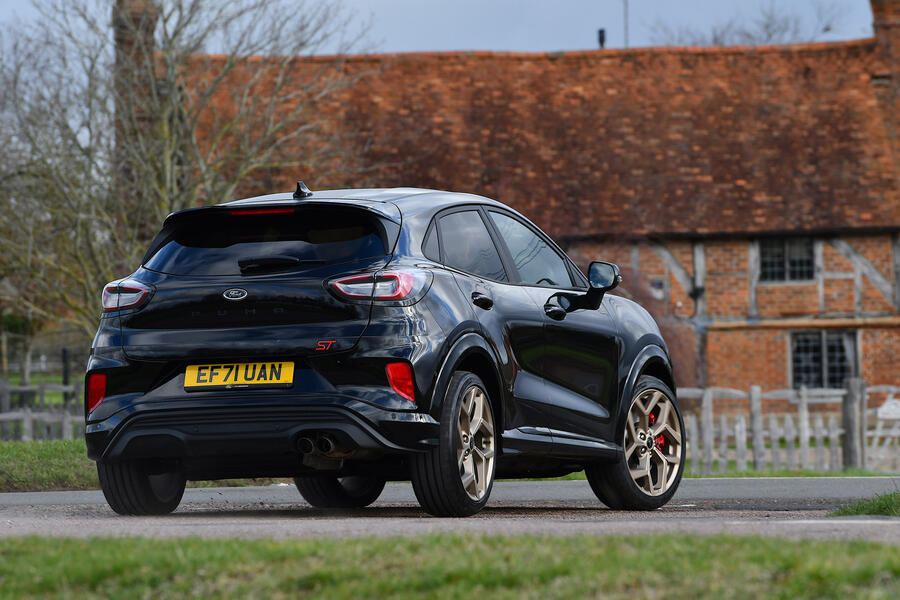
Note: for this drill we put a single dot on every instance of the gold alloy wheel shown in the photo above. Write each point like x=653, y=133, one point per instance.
x=653, y=442
x=475, y=443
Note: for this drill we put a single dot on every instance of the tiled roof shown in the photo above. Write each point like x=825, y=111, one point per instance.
x=656, y=141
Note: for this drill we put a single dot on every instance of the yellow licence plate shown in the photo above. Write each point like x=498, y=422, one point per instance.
x=227, y=376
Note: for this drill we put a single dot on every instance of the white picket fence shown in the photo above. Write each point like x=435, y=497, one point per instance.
x=27, y=415
x=823, y=442
x=860, y=437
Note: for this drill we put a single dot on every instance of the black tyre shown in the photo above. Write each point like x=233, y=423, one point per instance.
x=132, y=488
x=339, y=492
x=455, y=478
x=650, y=469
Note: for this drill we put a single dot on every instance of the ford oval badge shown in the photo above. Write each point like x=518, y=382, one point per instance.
x=234, y=294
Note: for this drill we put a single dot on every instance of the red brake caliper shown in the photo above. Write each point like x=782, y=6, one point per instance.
x=660, y=440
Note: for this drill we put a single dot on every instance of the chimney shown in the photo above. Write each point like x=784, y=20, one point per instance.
x=886, y=79
x=886, y=14
x=134, y=24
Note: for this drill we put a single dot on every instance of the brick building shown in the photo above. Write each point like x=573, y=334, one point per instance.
x=750, y=195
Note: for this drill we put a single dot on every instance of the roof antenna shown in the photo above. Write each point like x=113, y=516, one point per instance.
x=302, y=191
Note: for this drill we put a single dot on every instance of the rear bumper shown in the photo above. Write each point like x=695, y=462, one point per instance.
x=215, y=429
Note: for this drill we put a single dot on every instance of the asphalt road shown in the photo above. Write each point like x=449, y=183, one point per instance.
x=787, y=507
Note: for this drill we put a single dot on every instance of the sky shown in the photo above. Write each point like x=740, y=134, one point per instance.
x=543, y=25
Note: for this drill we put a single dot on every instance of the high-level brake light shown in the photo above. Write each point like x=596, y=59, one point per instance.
x=261, y=211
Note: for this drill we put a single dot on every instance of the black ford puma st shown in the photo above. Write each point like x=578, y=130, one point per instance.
x=350, y=337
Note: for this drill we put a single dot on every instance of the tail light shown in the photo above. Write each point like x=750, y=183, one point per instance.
x=126, y=293
x=405, y=286
x=96, y=390
x=400, y=376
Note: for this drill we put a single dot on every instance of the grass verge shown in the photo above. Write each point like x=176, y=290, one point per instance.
x=884, y=504
x=448, y=567
x=41, y=466
x=64, y=465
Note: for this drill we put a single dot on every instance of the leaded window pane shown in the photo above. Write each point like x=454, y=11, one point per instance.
x=787, y=260
x=840, y=350
x=771, y=254
x=806, y=355
x=800, y=260
x=823, y=358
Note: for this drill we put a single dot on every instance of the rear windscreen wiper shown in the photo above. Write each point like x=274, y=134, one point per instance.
x=275, y=262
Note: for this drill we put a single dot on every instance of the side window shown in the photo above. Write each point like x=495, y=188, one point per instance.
x=787, y=260
x=537, y=263
x=468, y=246
x=823, y=358
x=430, y=245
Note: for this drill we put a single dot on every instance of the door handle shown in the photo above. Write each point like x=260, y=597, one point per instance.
x=554, y=311
x=482, y=301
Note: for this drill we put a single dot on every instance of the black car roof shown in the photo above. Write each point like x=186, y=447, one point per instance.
x=410, y=201
x=384, y=201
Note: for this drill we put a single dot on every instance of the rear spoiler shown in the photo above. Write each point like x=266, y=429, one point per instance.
x=386, y=211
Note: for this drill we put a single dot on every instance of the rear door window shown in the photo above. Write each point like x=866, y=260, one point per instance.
x=466, y=245
x=243, y=242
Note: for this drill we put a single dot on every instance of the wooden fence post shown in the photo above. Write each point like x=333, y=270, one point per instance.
x=740, y=442
x=775, y=441
x=851, y=425
x=790, y=435
x=723, y=444
x=67, y=425
x=820, y=443
x=863, y=426
x=706, y=429
x=834, y=441
x=694, y=443
x=803, y=426
x=756, y=428
x=5, y=427
x=27, y=424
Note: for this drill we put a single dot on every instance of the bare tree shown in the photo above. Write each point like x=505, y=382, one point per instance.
x=774, y=23
x=108, y=125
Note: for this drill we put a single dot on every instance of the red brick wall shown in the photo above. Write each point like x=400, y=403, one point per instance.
x=877, y=249
x=839, y=296
x=741, y=358
x=747, y=354
x=728, y=295
x=726, y=257
x=880, y=349
x=787, y=299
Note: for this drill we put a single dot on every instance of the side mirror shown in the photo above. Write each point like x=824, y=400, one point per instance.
x=603, y=277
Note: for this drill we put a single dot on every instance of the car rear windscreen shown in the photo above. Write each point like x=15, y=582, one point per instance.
x=256, y=241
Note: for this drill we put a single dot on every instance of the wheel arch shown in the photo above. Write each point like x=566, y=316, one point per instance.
x=651, y=360
x=472, y=353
